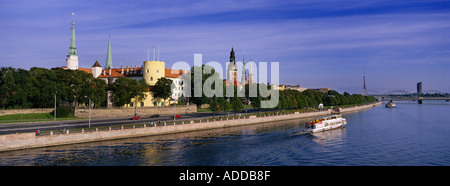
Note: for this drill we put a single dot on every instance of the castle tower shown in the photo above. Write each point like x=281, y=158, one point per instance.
x=96, y=69
x=153, y=70
x=72, y=58
x=108, y=55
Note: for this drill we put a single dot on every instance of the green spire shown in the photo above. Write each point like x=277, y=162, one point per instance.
x=72, y=48
x=108, y=55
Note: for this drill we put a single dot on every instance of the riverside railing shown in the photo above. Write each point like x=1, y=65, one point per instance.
x=163, y=123
x=178, y=122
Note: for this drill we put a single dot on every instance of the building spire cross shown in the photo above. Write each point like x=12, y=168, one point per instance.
x=244, y=72
x=108, y=55
x=72, y=58
x=72, y=47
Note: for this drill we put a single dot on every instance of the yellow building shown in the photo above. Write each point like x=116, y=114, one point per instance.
x=150, y=101
x=153, y=70
x=150, y=71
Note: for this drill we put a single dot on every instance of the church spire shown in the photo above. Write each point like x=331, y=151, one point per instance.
x=250, y=75
x=244, y=72
x=72, y=58
x=72, y=48
x=108, y=55
x=232, y=56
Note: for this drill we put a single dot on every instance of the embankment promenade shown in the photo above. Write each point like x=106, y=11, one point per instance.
x=30, y=140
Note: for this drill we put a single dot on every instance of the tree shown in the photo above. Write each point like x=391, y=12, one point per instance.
x=7, y=85
x=96, y=90
x=333, y=92
x=197, y=84
x=45, y=84
x=124, y=89
x=236, y=105
x=143, y=87
x=224, y=104
x=163, y=88
x=214, y=105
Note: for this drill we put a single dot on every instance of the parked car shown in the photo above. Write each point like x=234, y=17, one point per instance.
x=136, y=118
x=155, y=116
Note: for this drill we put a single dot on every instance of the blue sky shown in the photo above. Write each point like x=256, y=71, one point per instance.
x=328, y=43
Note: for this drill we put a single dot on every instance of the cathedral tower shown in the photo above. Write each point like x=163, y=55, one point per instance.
x=72, y=58
x=244, y=73
x=108, y=55
x=232, y=73
x=251, y=78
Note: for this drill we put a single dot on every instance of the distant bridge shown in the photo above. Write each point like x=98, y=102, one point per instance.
x=403, y=95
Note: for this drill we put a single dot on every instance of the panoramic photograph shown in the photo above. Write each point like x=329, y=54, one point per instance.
x=261, y=83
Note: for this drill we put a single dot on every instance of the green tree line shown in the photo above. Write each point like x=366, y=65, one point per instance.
x=292, y=99
x=36, y=88
x=288, y=99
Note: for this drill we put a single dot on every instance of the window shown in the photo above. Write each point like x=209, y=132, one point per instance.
x=162, y=103
x=147, y=71
x=142, y=104
x=131, y=104
x=151, y=78
x=155, y=103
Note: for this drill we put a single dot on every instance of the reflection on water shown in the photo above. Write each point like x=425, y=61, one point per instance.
x=410, y=134
x=192, y=148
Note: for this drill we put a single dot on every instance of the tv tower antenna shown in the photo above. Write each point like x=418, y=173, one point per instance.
x=364, y=89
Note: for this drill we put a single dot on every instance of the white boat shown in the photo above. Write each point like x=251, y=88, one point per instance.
x=390, y=104
x=325, y=123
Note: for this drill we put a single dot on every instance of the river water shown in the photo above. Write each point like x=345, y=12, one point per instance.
x=410, y=134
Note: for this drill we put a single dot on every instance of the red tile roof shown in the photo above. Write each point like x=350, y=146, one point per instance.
x=228, y=83
x=172, y=73
x=96, y=64
x=117, y=72
x=88, y=70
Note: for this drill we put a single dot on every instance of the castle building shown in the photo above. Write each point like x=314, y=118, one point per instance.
x=150, y=71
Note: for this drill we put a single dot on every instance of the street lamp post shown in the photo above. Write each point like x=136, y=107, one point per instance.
x=135, y=108
x=54, y=117
x=173, y=108
x=89, y=110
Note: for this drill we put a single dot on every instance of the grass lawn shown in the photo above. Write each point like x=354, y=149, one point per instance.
x=31, y=117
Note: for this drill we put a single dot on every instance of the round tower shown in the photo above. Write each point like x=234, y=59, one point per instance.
x=153, y=70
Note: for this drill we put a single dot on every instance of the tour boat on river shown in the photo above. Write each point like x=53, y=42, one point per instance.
x=325, y=123
x=390, y=104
